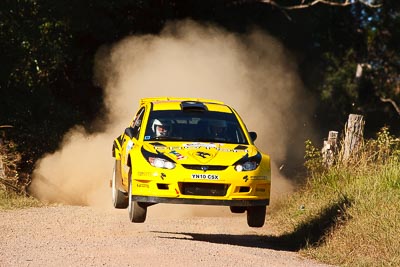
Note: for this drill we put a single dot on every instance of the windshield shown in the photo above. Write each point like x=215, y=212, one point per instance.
x=205, y=126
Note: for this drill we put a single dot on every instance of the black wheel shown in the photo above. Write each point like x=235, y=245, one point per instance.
x=256, y=216
x=137, y=210
x=119, y=198
x=236, y=209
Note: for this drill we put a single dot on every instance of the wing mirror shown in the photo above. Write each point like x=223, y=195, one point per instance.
x=129, y=132
x=253, y=136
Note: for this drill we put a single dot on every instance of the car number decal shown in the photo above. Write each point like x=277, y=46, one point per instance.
x=205, y=176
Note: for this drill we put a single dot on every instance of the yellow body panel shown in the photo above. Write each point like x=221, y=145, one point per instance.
x=150, y=181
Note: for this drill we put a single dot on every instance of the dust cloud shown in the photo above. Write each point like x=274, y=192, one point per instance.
x=252, y=72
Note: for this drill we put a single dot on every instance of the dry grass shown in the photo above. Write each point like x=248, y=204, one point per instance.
x=13, y=184
x=349, y=215
x=12, y=200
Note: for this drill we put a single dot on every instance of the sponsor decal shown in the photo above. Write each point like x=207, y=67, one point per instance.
x=258, y=177
x=199, y=145
x=205, y=176
x=129, y=145
x=178, y=155
x=151, y=174
x=143, y=185
x=246, y=178
x=147, y=137
x=211, y=146
x=232, y=150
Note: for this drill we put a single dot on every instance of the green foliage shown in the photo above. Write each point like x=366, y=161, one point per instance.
x=313, y=158
x=36, y=76
x=383, y=32
x=363, y=38
x=340, y=91
x=37, y=43
x=384, y=148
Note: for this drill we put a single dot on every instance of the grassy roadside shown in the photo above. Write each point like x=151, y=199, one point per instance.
x=11, y=200
x=12, y=183
x=348, y=215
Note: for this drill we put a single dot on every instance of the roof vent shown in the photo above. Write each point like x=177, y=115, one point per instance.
x=193, y=106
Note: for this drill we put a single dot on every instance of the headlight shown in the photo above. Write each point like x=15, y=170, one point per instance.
x=247, y=166
x=248, y=163
x=158, y=160
x=161, y=163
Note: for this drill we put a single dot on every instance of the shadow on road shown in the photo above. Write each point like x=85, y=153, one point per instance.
x=310, y=233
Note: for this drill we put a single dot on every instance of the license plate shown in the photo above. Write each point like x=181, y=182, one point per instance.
x=203, y=176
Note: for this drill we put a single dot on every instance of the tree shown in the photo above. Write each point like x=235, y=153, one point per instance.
x=49, y=48
x=309, y=3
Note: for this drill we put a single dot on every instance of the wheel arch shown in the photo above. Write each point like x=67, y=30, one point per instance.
x=116, y=148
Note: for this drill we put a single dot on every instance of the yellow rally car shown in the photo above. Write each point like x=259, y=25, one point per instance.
x=189, y=151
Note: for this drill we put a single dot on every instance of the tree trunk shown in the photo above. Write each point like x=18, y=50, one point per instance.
x=353, y=136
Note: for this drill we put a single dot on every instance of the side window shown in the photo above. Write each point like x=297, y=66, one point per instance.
x=137, y=123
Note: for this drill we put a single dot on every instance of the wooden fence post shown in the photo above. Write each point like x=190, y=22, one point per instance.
x=329, y=149
x=353, y=135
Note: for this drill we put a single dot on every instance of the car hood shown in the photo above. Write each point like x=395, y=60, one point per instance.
x=201, y=153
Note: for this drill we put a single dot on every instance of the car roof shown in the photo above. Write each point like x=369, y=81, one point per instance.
x=177, y=103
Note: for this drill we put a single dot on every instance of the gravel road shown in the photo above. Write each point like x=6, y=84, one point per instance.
x=171, y=236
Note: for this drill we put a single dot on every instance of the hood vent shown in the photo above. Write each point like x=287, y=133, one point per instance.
x=193, y=106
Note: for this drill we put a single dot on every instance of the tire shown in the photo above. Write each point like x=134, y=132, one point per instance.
x=119, y=199
x=256, y=216
x=237, y=209
x=137, y=210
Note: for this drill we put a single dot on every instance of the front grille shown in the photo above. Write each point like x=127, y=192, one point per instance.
x=203, y=189
x=205, y=167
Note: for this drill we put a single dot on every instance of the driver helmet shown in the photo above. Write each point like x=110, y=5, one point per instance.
x=161, y=128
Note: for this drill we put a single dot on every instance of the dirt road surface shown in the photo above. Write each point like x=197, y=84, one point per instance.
x=91, y=236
